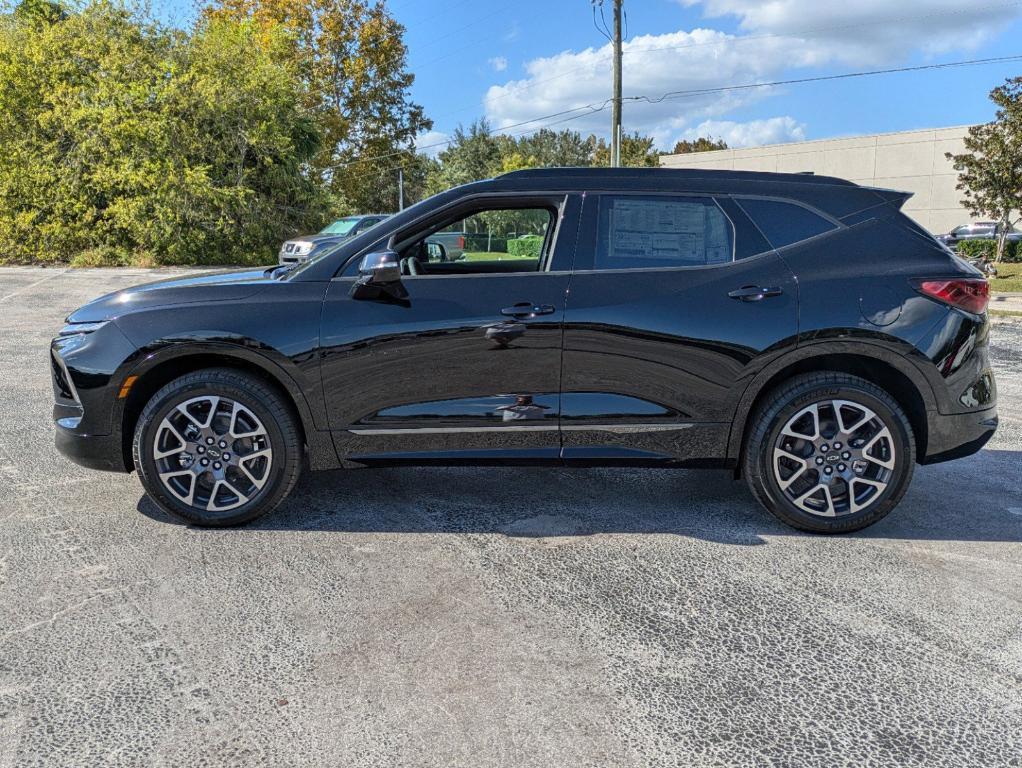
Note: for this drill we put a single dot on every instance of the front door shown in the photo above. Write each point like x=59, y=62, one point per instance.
x=468, y=367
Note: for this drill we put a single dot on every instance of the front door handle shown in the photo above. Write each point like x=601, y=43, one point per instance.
x=754, y=293
x=528, y=309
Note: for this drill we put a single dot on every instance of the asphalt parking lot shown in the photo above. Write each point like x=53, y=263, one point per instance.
x=478, y=617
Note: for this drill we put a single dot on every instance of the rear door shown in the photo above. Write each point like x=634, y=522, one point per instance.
x=675, y=301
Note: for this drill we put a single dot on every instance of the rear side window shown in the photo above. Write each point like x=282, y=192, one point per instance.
x=785, y=223
x=637, y=232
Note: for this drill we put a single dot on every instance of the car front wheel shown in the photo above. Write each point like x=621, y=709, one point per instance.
x=217, y=447
x=829, y=453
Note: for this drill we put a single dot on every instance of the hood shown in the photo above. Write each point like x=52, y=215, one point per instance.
x=318, y=238
x=209, y=286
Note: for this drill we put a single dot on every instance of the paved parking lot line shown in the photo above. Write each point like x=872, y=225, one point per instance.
x=30, y=286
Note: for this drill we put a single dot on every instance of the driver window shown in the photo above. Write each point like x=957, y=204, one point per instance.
x=491, y=240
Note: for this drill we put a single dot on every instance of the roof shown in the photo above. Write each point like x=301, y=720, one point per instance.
x=839, y=198
x=594, y=174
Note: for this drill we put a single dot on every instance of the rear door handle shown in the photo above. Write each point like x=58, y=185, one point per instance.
x=754, y=293
x=528, y=309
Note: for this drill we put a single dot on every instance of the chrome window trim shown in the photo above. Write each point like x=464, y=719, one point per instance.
x=405, y=278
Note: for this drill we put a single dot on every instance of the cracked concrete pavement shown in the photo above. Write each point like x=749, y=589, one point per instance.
x=479, y=617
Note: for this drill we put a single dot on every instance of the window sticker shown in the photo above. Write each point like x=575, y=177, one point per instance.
x=666, y=232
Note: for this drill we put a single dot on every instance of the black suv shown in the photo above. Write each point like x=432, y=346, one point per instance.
x=797, y=330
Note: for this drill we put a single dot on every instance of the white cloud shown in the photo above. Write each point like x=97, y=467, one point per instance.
x=499, y=63
x=868, y=31
x=777, y=39
x=754, y=133
x=431, y=142
x=654, y=64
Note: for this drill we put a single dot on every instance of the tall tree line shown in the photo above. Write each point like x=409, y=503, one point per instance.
x=125, y=141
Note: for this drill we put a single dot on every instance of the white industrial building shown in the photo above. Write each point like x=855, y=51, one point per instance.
x=912, y=161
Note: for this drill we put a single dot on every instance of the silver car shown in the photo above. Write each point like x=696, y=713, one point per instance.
x=302, y=248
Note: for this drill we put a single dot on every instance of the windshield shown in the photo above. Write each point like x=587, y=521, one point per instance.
x=340, y=227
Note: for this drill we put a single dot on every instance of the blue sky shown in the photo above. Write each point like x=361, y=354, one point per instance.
x=516, y=61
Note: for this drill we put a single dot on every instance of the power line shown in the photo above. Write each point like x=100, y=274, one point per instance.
x=486, y=133
x=672, y=95
x=844, y=76
x=603, y=30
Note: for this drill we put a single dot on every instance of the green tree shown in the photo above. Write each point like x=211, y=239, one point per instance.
x=478, y=153
x=545, y=149
x=637, y=151
x=702, y=144
x=122, y=142
x=353, y=60
x=990, y=170
x=40, y=11
x=243, y=143
x=470, y=156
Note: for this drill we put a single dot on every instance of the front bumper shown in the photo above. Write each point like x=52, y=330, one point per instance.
x=84, y=370
x=956, y=435
x=91, y=451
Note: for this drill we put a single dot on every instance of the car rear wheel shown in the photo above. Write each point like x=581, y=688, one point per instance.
x=217, y=447
x=829, y=453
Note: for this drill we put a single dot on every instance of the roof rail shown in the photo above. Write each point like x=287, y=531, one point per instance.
x=695, y=173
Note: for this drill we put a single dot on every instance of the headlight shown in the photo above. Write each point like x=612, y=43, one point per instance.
x=72, y=329
x=302, y=247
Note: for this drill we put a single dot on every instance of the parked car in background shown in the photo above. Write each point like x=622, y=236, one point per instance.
x=977, y=230
x=800, y=331
x=301, y=248
x=453, y=243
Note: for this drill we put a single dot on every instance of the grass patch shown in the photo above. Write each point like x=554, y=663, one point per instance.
x=1008, y=280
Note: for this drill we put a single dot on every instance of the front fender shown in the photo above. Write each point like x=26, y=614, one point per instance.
x=274, y=364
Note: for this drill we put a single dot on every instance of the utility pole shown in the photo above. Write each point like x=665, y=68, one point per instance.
x=615, y=130
x=401, y=189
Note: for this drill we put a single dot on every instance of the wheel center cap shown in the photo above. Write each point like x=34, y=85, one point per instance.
x=834, y=458
x=213, y=453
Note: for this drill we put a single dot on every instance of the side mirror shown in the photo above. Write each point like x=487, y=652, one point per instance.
x=379, y=277
x=381, y=268
x=435, y=251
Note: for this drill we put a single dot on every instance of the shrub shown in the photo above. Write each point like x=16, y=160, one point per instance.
x=974, y=249
x=484, y=243
x=125, y=143
x=525, y=247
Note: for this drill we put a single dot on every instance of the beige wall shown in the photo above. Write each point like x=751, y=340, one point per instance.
x=912, y=161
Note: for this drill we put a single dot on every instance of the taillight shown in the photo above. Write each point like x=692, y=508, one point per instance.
x=970, y=294
x=461, y=242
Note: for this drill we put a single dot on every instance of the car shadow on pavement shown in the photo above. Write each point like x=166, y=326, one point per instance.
x=974, y=499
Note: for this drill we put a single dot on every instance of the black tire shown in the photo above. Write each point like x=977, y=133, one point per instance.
x=278, y=433
x=765, y=434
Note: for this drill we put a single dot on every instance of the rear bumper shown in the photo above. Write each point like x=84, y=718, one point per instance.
x=957, y=435
x=91, y=451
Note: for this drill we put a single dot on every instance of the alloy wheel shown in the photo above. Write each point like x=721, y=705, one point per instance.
x=833, y=458
x=212, y=453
